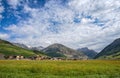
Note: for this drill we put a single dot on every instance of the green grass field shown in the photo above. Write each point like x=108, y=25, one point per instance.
x=59, y=69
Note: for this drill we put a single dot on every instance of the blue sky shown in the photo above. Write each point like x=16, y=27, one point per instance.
x=74, y=23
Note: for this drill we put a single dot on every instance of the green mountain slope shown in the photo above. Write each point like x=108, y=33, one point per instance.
x=59, y=50
x=8, y=48
x=112, y=51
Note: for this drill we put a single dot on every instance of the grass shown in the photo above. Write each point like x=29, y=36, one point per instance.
x=60, y=69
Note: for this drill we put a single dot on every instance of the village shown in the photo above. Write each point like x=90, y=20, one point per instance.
x=35, y=57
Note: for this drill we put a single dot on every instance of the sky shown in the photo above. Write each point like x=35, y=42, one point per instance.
x=74, y=23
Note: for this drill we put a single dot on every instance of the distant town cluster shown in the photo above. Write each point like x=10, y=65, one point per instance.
x=36, y=57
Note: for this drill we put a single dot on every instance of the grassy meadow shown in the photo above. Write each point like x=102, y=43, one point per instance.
x=59, y=69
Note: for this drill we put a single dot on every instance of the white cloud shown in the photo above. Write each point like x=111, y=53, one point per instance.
x=14, y=3
x=1, y=10
x=40, y=28
x=4, y=36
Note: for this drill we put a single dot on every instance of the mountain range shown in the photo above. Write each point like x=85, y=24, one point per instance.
x=112, y=51
x=21, y=45
x=90, y=53
x=55, y=50
x=39, y=48
x=59, y=50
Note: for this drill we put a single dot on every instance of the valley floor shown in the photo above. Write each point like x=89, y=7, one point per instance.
x=60, y=69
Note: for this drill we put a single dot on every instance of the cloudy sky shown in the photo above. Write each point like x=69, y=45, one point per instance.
x=74, y=23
